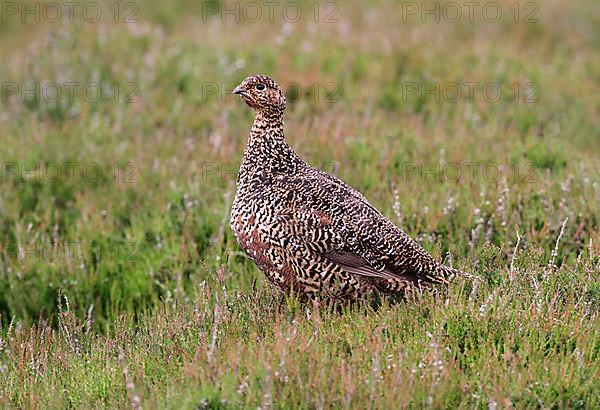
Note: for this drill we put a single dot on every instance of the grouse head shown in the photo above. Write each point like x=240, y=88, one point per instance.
x=263, y=94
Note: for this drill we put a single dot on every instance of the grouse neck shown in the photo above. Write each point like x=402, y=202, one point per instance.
x=267, y=153
x=267, y=126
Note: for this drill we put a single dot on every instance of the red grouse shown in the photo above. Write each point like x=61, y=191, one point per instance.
x=307, y=230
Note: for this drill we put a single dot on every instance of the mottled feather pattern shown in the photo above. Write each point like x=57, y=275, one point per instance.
x=307, y=230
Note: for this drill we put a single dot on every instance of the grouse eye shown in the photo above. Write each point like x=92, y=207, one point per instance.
x=260, y=87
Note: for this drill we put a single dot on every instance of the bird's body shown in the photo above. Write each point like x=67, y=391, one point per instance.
x=310, y=232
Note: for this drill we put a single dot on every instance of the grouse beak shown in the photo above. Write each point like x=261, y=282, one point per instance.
x=238, y=90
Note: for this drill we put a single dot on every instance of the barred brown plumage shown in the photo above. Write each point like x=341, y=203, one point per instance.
x=307, y=230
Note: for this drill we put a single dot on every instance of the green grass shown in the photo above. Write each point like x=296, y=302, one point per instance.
x=121, y=283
